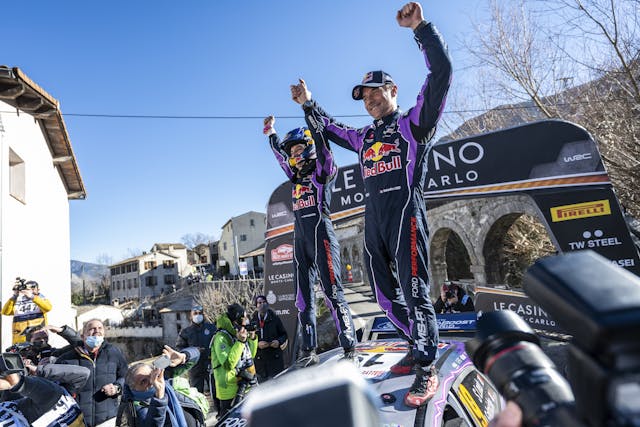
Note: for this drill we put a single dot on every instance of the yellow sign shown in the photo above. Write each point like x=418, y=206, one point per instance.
x=580, y=210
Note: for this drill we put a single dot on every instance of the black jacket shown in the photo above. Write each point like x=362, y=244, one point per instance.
x=465, y=303
x=40, y=397
x=109, y=367
x=269, y=361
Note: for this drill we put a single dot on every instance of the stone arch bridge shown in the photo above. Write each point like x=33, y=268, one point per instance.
x=479, y=223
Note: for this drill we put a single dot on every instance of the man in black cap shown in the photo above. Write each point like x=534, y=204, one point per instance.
x=199, y=335
x=393, y=159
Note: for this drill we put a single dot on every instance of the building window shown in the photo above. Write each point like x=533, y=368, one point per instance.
x=152, y=281
x=243, y=237
x=129, y=283
x=128, y=268
x=134, y=267
x=16, y=177
x=252, y=222
x=135, y=282
x=177, y=316
x=169, y=279
x=224, y=246
x=149, y=265
x=113, y=271
x=168, y=264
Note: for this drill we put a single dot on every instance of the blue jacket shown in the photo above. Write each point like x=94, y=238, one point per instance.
x=152, y=412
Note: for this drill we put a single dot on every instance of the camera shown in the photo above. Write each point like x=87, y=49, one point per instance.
x=251, y=327
x=10, y=363
x=20, y=284
x=450, y=294
x=599, y=305
x=161, y=362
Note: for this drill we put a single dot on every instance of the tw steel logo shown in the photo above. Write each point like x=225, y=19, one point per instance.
x=580, y=210
x=300, y=190
x=283, y=252
x=379, y=150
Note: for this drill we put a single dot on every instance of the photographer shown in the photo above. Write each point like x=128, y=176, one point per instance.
x=41, y=402
x=232, y=353
x=453, y=299
x=40, y=352
x=158, y=397
x=27, y=306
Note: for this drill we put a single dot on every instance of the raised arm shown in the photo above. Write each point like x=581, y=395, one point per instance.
x=325, y=165
x=274, y=141
x=320, y=121
x=431, y=99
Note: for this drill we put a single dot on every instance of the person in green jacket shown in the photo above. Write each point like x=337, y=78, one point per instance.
x=232, y=353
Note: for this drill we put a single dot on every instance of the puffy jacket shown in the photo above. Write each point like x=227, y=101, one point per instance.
x=109, y=367
x=46, y=403
x=226, y=352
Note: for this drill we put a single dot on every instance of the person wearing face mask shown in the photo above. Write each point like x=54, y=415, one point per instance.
x=198, y=334
x=27, y=306
x=98, y=399
x=271, y=337
x=156, y=397
x=41, y=352
x=232, y=353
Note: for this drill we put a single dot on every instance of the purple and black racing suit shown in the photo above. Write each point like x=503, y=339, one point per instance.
x=393, y=159
x=316, y=249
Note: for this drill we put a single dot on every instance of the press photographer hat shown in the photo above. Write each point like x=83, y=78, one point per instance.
x=235, y=312
x=371, y=79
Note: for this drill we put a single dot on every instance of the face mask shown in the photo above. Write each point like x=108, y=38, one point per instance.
x=198, y=318
x=94, y=341
x=263, y=307
x=143, y=395
x=39, y=344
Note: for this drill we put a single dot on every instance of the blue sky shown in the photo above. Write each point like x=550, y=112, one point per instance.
x=155, y=180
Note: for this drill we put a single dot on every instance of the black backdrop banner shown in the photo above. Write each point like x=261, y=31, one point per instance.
x=556, y=163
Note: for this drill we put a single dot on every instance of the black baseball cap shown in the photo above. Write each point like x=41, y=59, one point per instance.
x=371, y=79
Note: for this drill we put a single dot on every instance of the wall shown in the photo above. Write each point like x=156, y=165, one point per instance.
x=34, y=236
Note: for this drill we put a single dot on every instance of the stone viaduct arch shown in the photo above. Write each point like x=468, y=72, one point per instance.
x=480, y=224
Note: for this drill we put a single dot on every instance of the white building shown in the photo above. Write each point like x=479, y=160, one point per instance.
x=106, y=313
x=241, y=235
x=151, y=274
x=38, y=176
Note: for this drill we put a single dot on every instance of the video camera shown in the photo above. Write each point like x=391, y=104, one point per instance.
x=20, y=284
x=599, y=305
x=10, y=363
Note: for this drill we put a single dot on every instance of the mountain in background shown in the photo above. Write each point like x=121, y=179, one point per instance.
x=92, y=274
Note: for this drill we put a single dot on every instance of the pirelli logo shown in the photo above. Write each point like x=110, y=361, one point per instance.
x=580, y=210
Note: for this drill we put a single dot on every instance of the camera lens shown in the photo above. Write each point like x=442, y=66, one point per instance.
x=507, y=350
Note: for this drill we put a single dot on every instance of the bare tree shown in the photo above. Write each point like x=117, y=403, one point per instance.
x=191, y=240
x=571, y=59
x=214, y=297
x=104, y=259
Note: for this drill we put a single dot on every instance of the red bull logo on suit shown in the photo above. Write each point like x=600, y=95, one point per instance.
x=376, y=154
